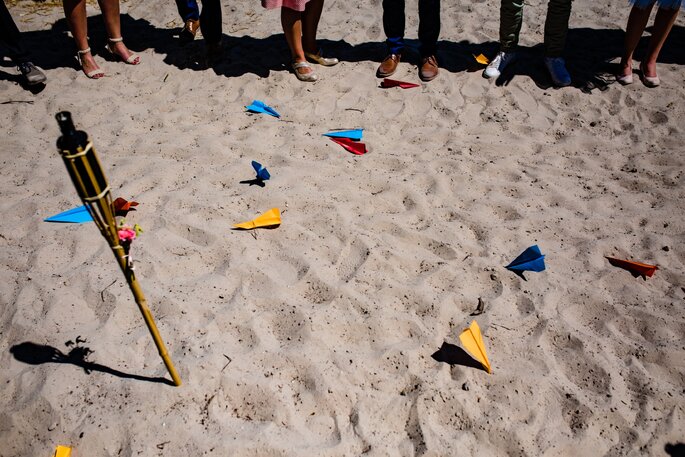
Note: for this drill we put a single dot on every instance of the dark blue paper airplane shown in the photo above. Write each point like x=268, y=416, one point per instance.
x=262, y=173
x=530, y=260
x=73, y=216
x=354, y=134
x=259, y=106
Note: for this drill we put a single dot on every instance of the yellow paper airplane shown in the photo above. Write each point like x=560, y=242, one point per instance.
x=271, y=218
x=62, y=451
x=481, y=59
x=472, y=340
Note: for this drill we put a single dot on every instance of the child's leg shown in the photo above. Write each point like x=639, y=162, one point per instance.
x=663, y=22
x=637, y=21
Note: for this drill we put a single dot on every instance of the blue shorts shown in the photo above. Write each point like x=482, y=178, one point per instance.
x=665, y=4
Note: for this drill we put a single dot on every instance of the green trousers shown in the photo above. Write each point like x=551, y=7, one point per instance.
x=556, y=25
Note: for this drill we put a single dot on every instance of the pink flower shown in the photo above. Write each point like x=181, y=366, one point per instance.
x=127, y=234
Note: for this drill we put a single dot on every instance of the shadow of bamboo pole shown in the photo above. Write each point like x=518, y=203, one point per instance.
x=91, y=184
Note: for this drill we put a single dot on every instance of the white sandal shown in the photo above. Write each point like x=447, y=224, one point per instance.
x=93, y=74
x=307, y=77
x=133, y=59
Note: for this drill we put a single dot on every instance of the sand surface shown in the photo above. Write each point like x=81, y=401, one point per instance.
x=341, y=326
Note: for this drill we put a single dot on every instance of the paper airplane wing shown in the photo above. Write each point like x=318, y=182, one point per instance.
x=271, y=218
x=258, y=106
x=355, y=134
x=481, y=59
x=386, y=83
x=262, y=172
x=352, y=146
x=530, y=260
x=62, y=451
x=74, y=216
x=472, y=340
x=636, y=268
x=122, y=206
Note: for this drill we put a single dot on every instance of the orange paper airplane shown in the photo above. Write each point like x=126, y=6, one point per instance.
x=271, y=218
x=472, y=340
x=123, y=206
x=62, y=451
x=636, y=268
x=481, y=59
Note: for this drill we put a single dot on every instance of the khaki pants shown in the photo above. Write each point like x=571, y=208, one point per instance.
x=556, y=25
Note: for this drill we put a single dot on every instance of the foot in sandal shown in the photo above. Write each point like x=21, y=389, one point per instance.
x=304, y=71
x=88, y=65
x=118, y=49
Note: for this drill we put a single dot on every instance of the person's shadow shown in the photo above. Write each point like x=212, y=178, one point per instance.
x=38, y=354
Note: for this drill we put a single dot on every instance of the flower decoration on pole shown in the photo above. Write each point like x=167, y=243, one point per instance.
x=91, y=184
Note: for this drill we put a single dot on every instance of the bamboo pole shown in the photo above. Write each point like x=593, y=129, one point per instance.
x=91, y=184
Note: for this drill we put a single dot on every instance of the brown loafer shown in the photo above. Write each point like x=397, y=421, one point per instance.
x=388, y=66
x=189, y=31
x=429, y=69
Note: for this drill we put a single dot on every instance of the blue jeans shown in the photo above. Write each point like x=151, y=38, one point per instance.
x=188, y=9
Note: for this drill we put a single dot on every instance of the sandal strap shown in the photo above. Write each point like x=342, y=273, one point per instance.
x=297, y=65
x=83, y=51
x=116, y=40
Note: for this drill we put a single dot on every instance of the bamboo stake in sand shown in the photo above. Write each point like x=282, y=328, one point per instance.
x=91, y=184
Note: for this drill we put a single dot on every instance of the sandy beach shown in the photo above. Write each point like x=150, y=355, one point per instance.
x=337, y=333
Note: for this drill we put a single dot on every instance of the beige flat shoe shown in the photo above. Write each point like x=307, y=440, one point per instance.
x=307, y=77
x=320, y=59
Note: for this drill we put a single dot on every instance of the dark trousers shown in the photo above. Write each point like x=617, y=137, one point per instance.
x=429, y=25
x=11, y=38
x=210, y=19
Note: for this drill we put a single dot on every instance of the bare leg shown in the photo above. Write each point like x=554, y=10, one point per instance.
x=637, y=21
x=663, y=22
x=292, y=28
x=112, y=16
x=75, y=13
x=310, y=22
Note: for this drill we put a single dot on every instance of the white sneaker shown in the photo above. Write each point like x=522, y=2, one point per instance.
x=498, y=64
x=558, y=72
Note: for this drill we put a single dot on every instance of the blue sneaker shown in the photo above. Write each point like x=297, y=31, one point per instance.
x=558, y=72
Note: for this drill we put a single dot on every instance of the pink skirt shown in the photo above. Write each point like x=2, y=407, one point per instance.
x=297, y=5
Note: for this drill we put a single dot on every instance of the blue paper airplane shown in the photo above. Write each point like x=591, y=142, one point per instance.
x=73, y=216
x=355, y=134
x=530, y=260
x=258, y=106
x=262, y=173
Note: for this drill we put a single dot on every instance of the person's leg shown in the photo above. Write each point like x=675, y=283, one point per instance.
x=429, y=26
x=556, y=27
x=11, y=38
x=663, y=22
x=291, y=21
x=210, y=18
x=188, y=9
x=310, y=22
x=510, y=20
x=637, y=21
x=393, y=25
x=75, y=13
x=112, y=17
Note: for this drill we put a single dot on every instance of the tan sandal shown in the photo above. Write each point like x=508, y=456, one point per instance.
x=133, y=59
x=93, y=74
x=307, y=77
x=320, y=59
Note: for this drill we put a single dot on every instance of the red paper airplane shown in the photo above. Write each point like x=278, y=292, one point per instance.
x=636, y=268
x=354, y=147
x=386, y=83
x=122, y=206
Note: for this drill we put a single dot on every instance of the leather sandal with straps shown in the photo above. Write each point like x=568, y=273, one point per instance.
x=133, y=58
x=93, y=74
x=307, y=77
x=320, y=59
